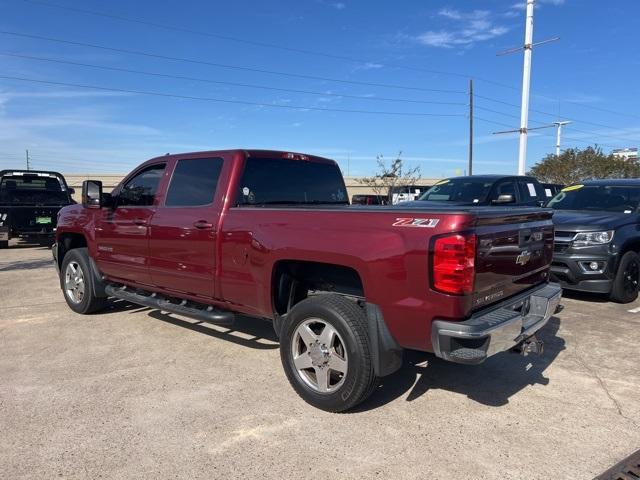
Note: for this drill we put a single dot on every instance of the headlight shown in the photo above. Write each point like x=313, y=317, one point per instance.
x=588, y=239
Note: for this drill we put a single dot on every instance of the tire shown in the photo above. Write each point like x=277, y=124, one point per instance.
x=4, y=244
x=78, y=283
x=324, y=348
x=627, y=279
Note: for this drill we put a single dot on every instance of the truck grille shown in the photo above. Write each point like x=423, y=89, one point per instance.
x=562, y=241
x=560, y=247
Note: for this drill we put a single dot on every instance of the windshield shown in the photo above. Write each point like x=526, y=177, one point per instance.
x=463, y=190
x=32, y=189
x=273, y=181
x=622, y=199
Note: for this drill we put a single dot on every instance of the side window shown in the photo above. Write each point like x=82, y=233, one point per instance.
x=141, y=189
x=194, y=182
x=506, y=187
x=530, y=192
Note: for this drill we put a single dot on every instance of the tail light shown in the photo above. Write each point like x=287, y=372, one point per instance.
x=453, y=265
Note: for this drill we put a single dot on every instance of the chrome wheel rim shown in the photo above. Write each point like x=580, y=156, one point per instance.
x=319, y=355
x=74, y=282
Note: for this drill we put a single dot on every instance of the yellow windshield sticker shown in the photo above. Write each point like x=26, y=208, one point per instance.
x=572, y=188
x=442, y=182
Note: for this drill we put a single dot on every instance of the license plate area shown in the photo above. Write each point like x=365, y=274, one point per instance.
x=43, y=220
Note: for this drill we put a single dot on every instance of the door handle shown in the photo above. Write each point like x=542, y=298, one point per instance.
x=140, y=221
x=202, y=224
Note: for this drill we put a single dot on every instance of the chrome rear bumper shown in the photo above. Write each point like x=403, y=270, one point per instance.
x=498, y=329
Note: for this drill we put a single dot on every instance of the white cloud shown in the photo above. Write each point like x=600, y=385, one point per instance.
x=9, y=95
x=368, y=66
x=339, y=5
x=473, y=26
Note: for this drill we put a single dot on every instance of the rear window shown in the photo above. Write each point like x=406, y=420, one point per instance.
x=272, y=181
x=42, y=189
x=194, y=182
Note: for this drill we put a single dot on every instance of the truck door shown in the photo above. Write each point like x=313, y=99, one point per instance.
x=122, y=233
x=182, y=240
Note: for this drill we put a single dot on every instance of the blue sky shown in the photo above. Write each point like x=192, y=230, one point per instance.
x=590, y=76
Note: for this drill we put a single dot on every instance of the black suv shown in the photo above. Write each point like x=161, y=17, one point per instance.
x=487, y=190
x=597, y=238
x=29, y=203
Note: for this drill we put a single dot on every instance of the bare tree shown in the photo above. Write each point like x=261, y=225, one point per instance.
x=390, y=177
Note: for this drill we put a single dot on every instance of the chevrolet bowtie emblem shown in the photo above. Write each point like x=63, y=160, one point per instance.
x=523, y=258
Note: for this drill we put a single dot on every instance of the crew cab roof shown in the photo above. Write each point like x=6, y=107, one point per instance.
x=491, y=177
x=11, y=171
x=248, y=152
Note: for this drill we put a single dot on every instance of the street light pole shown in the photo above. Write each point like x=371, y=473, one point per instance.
x=559, y=126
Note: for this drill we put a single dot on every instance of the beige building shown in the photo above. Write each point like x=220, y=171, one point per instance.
x=110, y=181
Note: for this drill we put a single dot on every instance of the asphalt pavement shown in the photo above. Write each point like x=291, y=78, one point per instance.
x=133, y=393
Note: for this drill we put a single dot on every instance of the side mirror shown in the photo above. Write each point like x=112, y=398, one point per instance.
x=71, y=190
x=506, y=198
x=92, y=194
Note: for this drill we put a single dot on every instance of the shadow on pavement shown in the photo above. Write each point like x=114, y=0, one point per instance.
x=39, y=243
x=27, y=265
x=585, y=296
x=491, y=383
x=246, y=331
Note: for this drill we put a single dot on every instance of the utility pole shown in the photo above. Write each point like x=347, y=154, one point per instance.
x=28, y=159
x=526, y=83
x=470, y=168
x=559, y=125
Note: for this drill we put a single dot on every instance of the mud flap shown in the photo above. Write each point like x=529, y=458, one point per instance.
x=385, y=351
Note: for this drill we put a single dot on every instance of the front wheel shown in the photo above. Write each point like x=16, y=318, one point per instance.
x=626, y=282
x=4, y=244
x=77, y=284
x=324, y=349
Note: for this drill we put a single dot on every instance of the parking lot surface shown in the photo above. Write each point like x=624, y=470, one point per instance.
x=135, y=393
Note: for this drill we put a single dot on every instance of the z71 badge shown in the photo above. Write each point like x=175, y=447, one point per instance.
x=416, y=222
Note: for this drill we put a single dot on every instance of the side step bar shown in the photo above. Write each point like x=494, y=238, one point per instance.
x=198, y=311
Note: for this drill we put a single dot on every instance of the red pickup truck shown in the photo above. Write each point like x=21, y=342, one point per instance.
x=272, y=235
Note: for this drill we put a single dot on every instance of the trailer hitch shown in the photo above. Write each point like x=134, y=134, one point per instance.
x=529, y=345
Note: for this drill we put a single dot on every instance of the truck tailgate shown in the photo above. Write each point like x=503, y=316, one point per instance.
x=514, y=251
x=30, y=218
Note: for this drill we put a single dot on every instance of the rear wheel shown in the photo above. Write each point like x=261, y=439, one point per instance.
x=4, y=244
x=77, y=284
x=627, y=280
x=324, y=350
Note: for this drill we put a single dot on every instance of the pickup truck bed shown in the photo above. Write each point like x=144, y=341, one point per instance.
x=347, y=287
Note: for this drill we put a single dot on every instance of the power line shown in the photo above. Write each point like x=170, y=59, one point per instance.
x=220, y=82
x=246, y=41
x=600, y=109
x=239, y=102
x=486, y=120
x=306, y=51
x=223, y=65
x=575, y=120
